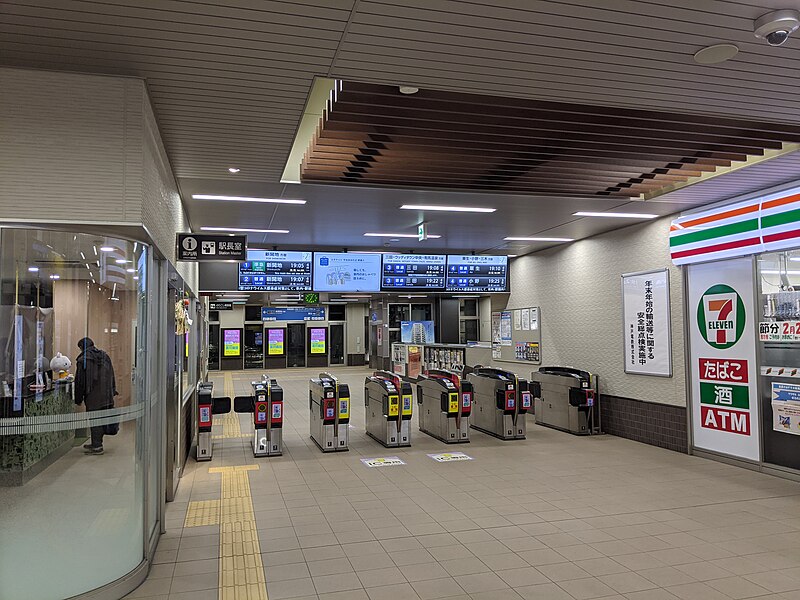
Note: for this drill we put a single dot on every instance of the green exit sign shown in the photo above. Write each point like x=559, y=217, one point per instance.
x=311, y=298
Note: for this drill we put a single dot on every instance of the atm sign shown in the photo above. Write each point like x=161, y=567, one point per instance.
x=721, y=419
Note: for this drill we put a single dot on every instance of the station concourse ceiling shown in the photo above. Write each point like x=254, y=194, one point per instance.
x=230, y=83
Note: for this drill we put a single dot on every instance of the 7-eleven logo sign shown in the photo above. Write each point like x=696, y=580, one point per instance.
x=720, y=316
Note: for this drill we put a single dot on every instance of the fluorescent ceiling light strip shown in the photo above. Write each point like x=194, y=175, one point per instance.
x=538, y=239
x=247, y=199
x=468, y=209
x=776, y=272
x=244, y=230
x=615, y=215
x=399, y=235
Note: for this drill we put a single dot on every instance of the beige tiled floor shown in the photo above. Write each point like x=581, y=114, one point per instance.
x=552, y=517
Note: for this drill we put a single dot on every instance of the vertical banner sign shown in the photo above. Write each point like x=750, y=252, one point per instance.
x=722, y=319
x=646, y=322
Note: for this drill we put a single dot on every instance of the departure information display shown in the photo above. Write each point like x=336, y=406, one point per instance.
x=268, y=271
x=347, y=272
x=414, y=272
x=477, y=274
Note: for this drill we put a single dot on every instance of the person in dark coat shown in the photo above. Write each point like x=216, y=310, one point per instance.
x=95, y=386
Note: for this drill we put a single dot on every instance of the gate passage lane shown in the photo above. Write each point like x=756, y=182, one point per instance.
x=551, y=516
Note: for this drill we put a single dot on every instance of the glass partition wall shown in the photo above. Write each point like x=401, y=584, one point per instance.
x=73, y=412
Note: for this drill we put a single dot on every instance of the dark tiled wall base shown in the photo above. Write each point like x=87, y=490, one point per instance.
x=655, y=424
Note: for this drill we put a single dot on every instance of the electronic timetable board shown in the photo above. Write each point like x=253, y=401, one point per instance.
x=413, y=272
x=269, y=270
x=467, y=273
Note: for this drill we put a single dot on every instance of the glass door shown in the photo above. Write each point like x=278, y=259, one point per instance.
x=337, y=344
x=296, y=345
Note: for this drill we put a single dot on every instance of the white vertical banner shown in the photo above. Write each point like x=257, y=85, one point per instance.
x=646, y=323
x=722, y=336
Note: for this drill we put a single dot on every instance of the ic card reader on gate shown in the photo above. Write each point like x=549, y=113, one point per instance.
x=207, y=407
x=389, y=404
x=500, y=402
x=329, y=413
x=266, y=404
x=445, y=405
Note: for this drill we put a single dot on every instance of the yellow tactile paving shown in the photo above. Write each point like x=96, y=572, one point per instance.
x=231, y=428
x=202, y=512
x=241, y=572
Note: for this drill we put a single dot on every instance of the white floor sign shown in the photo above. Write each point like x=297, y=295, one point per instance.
x=450, y=457
x=389, y=461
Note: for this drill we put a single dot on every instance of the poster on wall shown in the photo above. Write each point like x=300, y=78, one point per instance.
x=517, y=320
x=786, y=407
x=417, y=332
x=721, y=313
x=495, y=327
x=275, y=342
x=505, y=328
x=526, y=319
x=318, y=335
x=646, y=323
x=534, y=318
x=231, y=343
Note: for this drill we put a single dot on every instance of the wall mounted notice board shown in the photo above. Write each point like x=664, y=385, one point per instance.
x=516, y=335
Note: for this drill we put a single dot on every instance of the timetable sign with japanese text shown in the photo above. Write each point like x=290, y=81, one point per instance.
x=202, y=247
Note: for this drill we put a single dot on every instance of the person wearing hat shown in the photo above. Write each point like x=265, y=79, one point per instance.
x=95, y=387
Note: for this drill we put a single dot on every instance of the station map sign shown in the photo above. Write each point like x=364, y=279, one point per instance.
x=467, y=273
x=413, y=272
x=267, y=271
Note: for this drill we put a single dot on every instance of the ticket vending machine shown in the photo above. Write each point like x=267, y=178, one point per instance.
x=329, y=413
x=207, y=407
x=266, y=404
x=389, y=404
x=445, y=404
x=500, y=403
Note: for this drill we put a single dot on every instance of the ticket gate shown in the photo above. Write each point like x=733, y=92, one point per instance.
x=500, y=403
x=207, y=407
x=329, y=413
x=567, y=400
x=445, y=405
x=389, y=405
x=266, y=404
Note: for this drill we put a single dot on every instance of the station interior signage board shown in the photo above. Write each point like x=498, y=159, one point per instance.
x=468, y=273
x=270, y=270
x=270, y=313
x=413, y=272
x=347, y=272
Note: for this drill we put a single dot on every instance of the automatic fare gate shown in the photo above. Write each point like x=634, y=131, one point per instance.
x=207, y=407
x=329, y=413
x=266, y=404
x=389, y=405
x=500, y=402
x=445, y=404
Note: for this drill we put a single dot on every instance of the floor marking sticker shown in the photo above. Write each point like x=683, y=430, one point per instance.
x=389, y=461
x=450, y=457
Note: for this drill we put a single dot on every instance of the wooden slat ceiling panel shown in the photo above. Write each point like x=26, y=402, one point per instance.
x=372, y=134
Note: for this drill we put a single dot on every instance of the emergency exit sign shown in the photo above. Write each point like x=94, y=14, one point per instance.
x=422, y=232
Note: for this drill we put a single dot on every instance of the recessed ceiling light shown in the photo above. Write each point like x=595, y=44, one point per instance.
x=538, y=239
x=121, y=261
x=33, y=269
x=55, y=276
x=130, y=270
x=512, y=256
x=408, y=89
x=399, y=235
x=106, y=249
x=247, y=199
x=244, y=230
x=233, y=170
x=715, y=54
x=472, y=209
x=414, y=296
x=615, y=215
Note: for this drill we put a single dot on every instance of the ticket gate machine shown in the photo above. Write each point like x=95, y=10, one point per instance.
x=445, y=405
x=329, y=413
x=500, y=402
x=207, y=407
x=567, y=400
x=389, y=404
x=266, y=404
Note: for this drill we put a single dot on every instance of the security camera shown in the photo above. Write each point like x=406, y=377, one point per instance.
x=777, y=26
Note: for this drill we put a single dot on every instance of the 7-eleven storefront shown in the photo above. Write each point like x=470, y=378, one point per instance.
x=743, y=330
